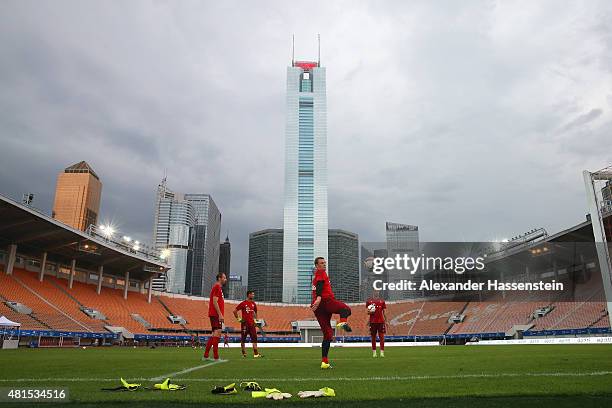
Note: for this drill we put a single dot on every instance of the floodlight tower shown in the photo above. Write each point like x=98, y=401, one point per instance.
x=597, y=208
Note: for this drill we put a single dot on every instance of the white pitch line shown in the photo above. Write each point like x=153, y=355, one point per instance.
x=187, y=370
x=412, y=377
x=323, y=378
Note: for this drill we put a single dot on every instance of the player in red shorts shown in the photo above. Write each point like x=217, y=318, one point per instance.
x=247, y=322
x=324, y=304
x=216, y=307
x=377, y=320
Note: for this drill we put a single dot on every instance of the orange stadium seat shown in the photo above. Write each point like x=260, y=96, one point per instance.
x=59, y=298
x=11, y=288
x=117, y=309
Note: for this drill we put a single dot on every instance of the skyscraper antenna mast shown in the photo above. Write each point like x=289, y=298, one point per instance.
x=293, y=50
x=319, y=40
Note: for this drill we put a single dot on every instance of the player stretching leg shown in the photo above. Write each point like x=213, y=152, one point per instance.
x=324, y=305
x=216, y=307
x=377, y=320
x=247, y=322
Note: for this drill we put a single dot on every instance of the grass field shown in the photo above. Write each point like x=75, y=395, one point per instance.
x=453, y=376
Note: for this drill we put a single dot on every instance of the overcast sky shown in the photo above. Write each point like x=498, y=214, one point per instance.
x=472, y=120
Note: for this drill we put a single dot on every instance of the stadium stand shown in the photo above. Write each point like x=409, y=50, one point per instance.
x=433, y=318
x=55, y=306
x=117, y=309
x=27, y=321
x=59, y=298
x=43, y=310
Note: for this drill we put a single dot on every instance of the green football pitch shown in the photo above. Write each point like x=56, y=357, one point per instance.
x=451, y=376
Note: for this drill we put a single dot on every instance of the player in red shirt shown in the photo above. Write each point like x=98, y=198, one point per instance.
x=377, y=320
x=216, y=308
x=247, y=322
x=324, y=304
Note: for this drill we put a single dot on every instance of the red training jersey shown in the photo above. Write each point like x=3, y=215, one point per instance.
x=248, y=309
x=327, y=293
x=377, y=316
x=218, y=292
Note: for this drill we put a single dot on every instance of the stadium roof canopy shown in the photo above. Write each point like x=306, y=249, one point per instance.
x=573, y=249
x=35, y=233
x=581, y=235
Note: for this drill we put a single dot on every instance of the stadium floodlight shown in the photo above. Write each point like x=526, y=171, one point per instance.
x=127, y=239
x=165, y=253
x=136, y=246
x=107, y=230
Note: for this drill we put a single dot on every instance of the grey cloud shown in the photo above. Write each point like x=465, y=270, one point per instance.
x=582, y=120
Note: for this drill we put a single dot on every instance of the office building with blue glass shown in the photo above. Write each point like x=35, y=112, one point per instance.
x=305, y=206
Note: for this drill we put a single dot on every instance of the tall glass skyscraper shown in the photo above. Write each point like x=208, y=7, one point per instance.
x=305, y=215
x=174, y=216
x=188, y=226
x=203, y=261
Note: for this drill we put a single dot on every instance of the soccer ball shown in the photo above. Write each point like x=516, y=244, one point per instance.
x=371, y=308
x=368, y=263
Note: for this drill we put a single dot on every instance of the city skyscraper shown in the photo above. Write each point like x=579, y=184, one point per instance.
x=225, y=255
x=225, y=252
x=203, y=264
x=77, y=196
x=188, y=226
x=235, y=289
x=305, y=206
x=402, y=239
x=343, y=264
x=265, y=271
x=174, y=217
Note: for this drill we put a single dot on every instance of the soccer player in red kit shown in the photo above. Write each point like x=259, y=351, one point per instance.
x=377, y=320
x=216, y=308
x=324, y=304
x=247, y=322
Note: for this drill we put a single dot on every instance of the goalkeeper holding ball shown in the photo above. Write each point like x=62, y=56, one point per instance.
x=248, y=322
x=377, y=321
